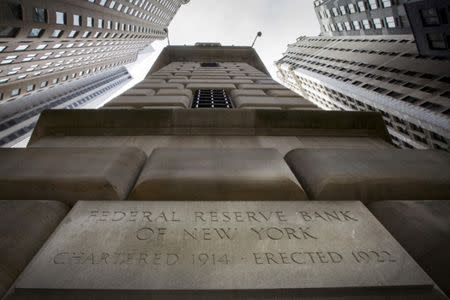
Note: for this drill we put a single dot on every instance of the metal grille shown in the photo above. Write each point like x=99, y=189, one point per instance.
x=211, y=99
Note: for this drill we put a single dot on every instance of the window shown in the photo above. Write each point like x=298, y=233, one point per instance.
x=343, y=10
x=41, y=46
x=36, y=32
x=56, y=33
x=30, y=87
x=386, y=3
x=347, y=25
x=76, y=20
x=340, y=28
x=6, y=32
x=430, y=17
x=373, y=4
x=335, y=12
x=16, y=9
x=102, y=2
x=44, y=84
x=15, y=92
x=40, y=15
x=352, y=8
x=61, y=18
x=436, y=41
x=362, y=6
x=377, y=23
x=390, y=22
x=209, y=64
x=21, y=47
x=89, y=21
x=72, y=34
x=211, y=99
x=111, y=5
x=356, y=25
x=432, y=106
x=366, y=24
x=100, y=23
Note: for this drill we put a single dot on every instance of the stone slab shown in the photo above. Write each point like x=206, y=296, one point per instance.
x=142, y=248
x=284, y=102
x=371, y=175
x=69, y=174
x=139, y=101
x=423, y=229
x=216, y=174
x=24, y=227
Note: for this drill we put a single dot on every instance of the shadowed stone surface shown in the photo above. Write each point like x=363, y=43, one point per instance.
x=369, y=175
x=69, y=174
x=24, y=227
x=279, y=248
x=139, y=102
x=423, y=229
x=284, y=102
x=216, y=174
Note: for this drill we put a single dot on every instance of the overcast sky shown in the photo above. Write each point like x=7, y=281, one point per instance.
x=236, y=22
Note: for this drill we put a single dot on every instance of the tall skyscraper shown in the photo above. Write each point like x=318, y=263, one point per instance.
x=196, y=184
x=48, y=42
x=364, y=17
x=18, y=118
x=383, y=73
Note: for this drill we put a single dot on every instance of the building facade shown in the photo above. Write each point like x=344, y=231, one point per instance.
x=45, y=43
x=364, y=17
x=201, y=76
x=429, y=21
x=375, y=73
x=196, y=184
x=18, y=118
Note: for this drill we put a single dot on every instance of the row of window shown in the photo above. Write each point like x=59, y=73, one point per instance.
x=417, y=133
x=361, y=6
x=43, y=84
x=376, y=23
x=50, y=104
x=150, y=7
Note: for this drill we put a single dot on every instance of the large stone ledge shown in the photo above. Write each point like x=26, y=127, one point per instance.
x=143, y=101
x=234, y=122
x=217, y=174
x=370, y=175
x=69, y=174
x=423, y=229
x=283, y=102
x=24, y=227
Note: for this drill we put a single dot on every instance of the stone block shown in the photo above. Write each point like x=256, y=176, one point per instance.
x=69, y=174
x=175, y=92
x=139, y=92
x=235, y=93
x=24, y=227
x=153, y=81
x=282, y=93
x=210, y=81
x=225, y=86
x=371, y=175
x=283, y=102
x=266, y=81
x=262, y=107
x=159, y=86
x=139, y=102
x=262, y=86
x=223, y=250
x=423, y=229
x=216, y=174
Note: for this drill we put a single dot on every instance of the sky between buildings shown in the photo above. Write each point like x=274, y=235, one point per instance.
x=236, y=22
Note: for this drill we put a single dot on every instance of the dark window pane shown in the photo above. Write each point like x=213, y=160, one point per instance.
x=8, y=31
x=40, y=15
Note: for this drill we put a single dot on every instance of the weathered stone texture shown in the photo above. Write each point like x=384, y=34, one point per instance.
x=370, y=175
